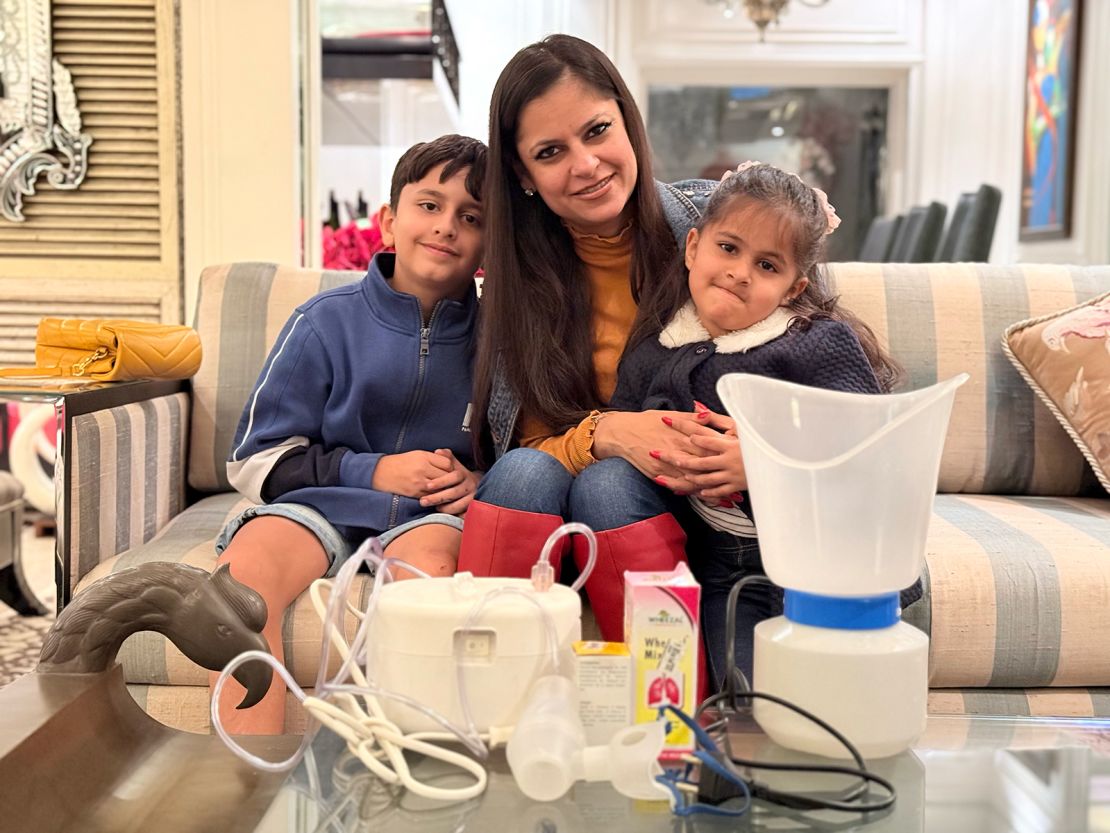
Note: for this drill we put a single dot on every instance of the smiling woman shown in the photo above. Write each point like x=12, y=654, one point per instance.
x=584, y=169
x=579, y=236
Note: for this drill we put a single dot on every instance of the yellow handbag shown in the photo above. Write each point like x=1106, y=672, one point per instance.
x=112, y=350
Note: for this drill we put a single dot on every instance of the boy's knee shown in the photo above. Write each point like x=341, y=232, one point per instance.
x=434, y=561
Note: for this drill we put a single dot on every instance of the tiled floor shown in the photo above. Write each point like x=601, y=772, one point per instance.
x=21, y=636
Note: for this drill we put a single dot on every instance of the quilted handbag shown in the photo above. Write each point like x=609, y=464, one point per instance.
x=112, y=350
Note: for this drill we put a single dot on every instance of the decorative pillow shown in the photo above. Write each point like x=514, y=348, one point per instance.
x=1065, y=358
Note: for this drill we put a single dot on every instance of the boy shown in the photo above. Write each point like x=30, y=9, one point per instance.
x=357, y=425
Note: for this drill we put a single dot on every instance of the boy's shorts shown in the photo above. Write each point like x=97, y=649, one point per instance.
x=336, y=546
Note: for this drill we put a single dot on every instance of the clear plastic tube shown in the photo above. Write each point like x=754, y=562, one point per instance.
x=369, y=734
x=543, y=572
x=469, y=622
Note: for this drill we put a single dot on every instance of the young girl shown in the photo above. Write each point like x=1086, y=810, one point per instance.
x=747, y=298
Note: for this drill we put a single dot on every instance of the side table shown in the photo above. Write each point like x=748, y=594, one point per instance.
x=71, y=398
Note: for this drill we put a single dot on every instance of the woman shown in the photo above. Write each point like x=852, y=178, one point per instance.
x=579, y=237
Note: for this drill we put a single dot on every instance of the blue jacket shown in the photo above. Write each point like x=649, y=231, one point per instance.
x=682, y=206
x=355, y=375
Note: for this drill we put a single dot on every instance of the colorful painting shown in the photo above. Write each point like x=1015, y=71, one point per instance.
x=1052, y=62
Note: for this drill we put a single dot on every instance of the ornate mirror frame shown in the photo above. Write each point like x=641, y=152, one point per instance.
x=40, y=125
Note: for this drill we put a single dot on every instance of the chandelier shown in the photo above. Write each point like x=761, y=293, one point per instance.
x=761, y=12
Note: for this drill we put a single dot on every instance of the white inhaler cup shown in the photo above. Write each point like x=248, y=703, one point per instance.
x=841, y=488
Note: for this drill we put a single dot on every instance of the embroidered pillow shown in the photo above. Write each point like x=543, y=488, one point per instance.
x=1065, y=358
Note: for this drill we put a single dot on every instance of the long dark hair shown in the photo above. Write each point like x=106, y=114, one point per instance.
x=535, y=319
x=803, y=212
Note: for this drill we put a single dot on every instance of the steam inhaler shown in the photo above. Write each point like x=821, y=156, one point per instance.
x=505, y=646
x=841, y=485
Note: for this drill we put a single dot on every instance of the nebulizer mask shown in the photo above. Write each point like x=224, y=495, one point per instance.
x=478, y=661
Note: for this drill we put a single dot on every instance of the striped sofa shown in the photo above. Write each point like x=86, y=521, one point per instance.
x=1017, y=591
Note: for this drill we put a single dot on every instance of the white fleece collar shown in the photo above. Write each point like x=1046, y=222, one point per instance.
x=685, y=328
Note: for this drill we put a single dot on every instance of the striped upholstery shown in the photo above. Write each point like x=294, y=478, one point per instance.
x=190, y=539
x=128, y=477
x=1017, y=589
x=1018, y=592
x=941, y=319
x=185, y=707
x=1029, y=702
x=241, y=309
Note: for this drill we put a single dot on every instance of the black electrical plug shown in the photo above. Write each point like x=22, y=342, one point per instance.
x=715, y=789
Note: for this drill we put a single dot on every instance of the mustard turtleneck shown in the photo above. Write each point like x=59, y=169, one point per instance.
x=608, y=262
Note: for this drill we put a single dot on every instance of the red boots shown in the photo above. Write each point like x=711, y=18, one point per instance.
x=655, y=544
x=505, y=542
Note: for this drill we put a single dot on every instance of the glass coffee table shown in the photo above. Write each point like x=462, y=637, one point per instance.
x=968, y=773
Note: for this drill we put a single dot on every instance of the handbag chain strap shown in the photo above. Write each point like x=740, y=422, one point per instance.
x=79, y=367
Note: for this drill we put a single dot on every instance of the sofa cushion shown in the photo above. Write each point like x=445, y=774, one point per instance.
x=1017, y=592
x=1025, y=702
x=942, y=319
x=186, y=707
x=241, y=309
x=1065, y=358
x=190, y=538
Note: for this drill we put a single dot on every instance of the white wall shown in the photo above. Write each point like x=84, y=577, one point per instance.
x=957, y=77
x=489, y=32
x=240, y=134
x=956, y=72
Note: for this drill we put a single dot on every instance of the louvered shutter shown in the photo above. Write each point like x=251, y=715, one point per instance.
x=111, y=245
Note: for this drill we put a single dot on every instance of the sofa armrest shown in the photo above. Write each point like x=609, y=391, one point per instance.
x=123, y=472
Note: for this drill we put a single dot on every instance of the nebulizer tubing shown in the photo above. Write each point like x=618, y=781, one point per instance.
x=365, y=730
x=543, y=577
x=361, y=730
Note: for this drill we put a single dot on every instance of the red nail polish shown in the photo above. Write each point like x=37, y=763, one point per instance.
x=736, y=496
x=701, y=415
x=681, y=494
x=726, y=504
x=654, y=454
x=667, y=420
x=700, y=407
x=661, y=480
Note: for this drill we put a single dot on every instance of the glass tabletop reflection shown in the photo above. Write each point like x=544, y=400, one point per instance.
x=967, y=773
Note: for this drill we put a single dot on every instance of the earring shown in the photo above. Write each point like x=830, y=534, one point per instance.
x=529, y=192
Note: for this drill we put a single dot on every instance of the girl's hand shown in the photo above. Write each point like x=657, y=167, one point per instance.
x=634, y=436
x=451, y=493
x=715, y=468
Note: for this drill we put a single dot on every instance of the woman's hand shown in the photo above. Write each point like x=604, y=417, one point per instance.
x=715, y=467
x=634, y=436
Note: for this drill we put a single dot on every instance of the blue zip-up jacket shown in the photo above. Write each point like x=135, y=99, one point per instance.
x=355, y=375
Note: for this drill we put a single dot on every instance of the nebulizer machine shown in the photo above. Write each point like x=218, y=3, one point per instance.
x=477, y=661
x=841, y=487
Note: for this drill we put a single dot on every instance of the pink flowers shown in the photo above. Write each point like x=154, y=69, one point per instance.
x=352, y=245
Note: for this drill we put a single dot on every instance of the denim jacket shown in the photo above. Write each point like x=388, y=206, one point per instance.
x=682, y=205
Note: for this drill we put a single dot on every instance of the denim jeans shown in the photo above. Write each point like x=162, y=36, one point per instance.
x=718, y=560
x=609, y=494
